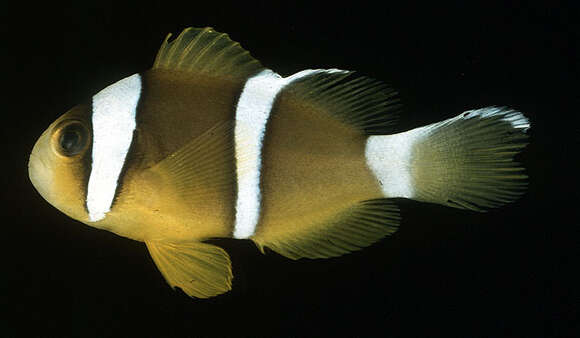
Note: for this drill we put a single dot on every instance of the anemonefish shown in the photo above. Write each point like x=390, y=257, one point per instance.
x=209, y=143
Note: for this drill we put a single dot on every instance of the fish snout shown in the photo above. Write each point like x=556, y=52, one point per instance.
x=39, y=172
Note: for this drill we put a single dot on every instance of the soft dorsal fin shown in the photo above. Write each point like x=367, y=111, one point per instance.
x=203, y=50
x=365, y=103
x=350, y=230
x=201, y=270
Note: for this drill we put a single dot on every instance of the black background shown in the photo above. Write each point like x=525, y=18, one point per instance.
x=508, y=272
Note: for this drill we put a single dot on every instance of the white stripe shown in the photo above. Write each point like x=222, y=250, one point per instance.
x=114, y=110
x=517, y=119
x=389, y=157
x=252, y=114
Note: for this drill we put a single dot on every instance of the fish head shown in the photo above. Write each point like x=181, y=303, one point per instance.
x=58, y=166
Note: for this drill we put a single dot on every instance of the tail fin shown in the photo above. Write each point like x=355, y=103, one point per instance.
x=464, y=162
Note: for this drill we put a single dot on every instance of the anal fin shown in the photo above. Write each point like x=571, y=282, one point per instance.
x=201, y=270
x=350, y=230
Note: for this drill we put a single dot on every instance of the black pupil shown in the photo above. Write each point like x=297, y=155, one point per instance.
x=71, y=140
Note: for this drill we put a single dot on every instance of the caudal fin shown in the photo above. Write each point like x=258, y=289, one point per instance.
x=464, y=162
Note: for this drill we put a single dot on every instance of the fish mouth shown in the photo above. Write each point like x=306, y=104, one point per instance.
x=39, y=175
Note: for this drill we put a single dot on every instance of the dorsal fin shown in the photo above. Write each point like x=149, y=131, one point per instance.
x=365, y=103
x=203, y=50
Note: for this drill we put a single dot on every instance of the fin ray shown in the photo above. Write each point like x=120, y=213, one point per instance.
x=205, y=51
x=362, y=102
x=201, y=270
x=202, y=166
x=353, y=229
x=467, y=161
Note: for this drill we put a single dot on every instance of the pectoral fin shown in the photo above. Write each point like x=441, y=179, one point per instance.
x=203, y=168
x=201, y=270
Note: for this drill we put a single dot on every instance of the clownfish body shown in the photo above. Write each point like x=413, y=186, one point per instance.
x=209, y=144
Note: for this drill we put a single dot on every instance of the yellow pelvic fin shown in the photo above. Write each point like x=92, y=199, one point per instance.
x=359, y=101
x=203, y=50
x=350, y=230
x=201, y=270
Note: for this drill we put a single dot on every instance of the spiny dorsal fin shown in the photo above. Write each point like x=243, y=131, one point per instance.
x=203, y=50
x=201, y=270
x=365, y=103
x=353, y=229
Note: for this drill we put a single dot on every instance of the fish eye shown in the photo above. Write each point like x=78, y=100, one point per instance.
x=70, y=138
